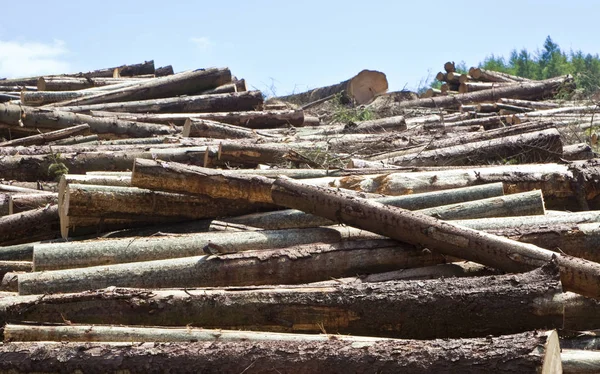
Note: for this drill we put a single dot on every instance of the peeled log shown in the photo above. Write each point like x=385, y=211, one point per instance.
x=504, y=304
x=231, y=102
x=187, y=83
x=363, y=87
x=532, y=352
x=577, y=275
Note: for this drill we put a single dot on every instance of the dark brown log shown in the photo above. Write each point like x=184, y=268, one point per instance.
x=22, y=202
x=257, y=119
x=363, y=87
x=224, y=88
x=19, y=116
x=14, y=266
x=480, y=86
x=164, y=71
x=504, y=304
x=449, y=67
x=529, y=103
x=237, y=101
x=187, y=83
x=577, y=275
x=32, y=225
x=524, y=90
x=47, y=137
x=532, y=352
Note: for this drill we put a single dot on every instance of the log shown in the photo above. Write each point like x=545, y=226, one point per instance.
x=14, y=266
x=580, y=361
x=580, y=151
x=529, y=103
x=22, y=202
x=224, y=88
x=4, y=204
x=47, y=137
x=291, y=265
x=363, y=87
x=18, y=116
x=164, y=71
x=119, y=251
x=535, y=352
x=504, y=303
x=510, y=205
x=49, y=97
x=31, y=225
x=231, y=102
x=75, y=140
x=523, y=90
x=532, y=221
x=17, y=252
x=449, y=67
x=186, y=83
x=61, y=83
x=480, y=86
x=541, y=146
x=202, y=128
x=577, y=275
x=495, y=76
x=97, y=179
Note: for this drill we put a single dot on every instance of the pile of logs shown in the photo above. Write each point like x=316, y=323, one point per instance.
x=157, y=222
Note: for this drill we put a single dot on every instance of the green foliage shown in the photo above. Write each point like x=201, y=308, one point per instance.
x=57, y=168
x=345, y=112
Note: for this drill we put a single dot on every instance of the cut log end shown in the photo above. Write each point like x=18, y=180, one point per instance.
x=366, y=85
x=552, y=361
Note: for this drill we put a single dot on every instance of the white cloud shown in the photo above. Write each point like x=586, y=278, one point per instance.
x=203, y=43
x=32, y=58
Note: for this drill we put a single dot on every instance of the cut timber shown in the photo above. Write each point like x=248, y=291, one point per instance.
x=541, y=146
x=580, y=361
x=509, y=205
x=523, y=90
x=49, y=97
x=532, y=352
x=60, y=83
x=47, y=137
x=231, y=102
x=290, y=265
x=396, y=123
x=495, y=76
x=116, y=251
x=529, y=103
x=81, y=200
x=449, y=67
x=19, y=116
x=28, y=226
x=164, y=71
x=480, y=86
x=4, y=204
x=22, y=202
x=580, y=151
x=577, y=275
x=504, y=304
x=14, y=266
x=252, y=120
x=187, y=83
x=363, y=88
x=204, y=128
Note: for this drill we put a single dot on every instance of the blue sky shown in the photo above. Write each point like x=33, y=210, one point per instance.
x=285, y=46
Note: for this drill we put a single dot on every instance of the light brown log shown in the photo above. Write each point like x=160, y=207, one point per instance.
x=117, y=251
x=240, y=85
x=534, y=352
x=76, y=140
x=18, y=116
x=22, y=202
x=449, y=67
x=28, y=226
x=509, y=108
x=431, y=92
x=99, y=179
x=480, y=86
x=224, y=88
x=202, y=128
x=363, y=87
x=495, y=76
x=14, y=266
x=231, y=102
x=523, y=90
x=577, y=275
x=505, y=304
x=47, y=137
x=61, y=83
x=529, y=103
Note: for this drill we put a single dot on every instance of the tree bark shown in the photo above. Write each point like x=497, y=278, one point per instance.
x=22, y=202
x=238, y=101
x=580, y=361
x=164, y=71
x=32, y=225
x=363, y=87
x=532, y=352
x=187, y=83
x=480, y=86
x=577, y=275
x=523, y=90
x=529, y=103
x=117, y=251
x=61, y=83
x=202, y=128
x=504, y=304
x=495, y=76
x=501, y=223
x=14, y=266
x=47, y=137
x=54, y=119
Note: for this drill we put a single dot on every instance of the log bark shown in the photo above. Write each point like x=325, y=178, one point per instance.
x=529, y=103
x=4, y=204
x=580, y=151
x=76, y=140
x=201, y=128
x=118, y=251
x=449, y=67
x=580, y=361
x=164, y=71
x=187, y=83
x=363, y=88
x=238, y=101
x=577, y=275
x=22, y=202
x=18, y=116
x=32, y=225
x=291, y=265
x=480, y=86
x=523, y=90
x=501, y=223
x=534, y=352
x=47, y=137
x=61, y=83
x=505, y=304
x=14, y=266
x=17, y=252
x=495, y=76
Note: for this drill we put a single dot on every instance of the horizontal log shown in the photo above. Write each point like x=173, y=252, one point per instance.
x=60, y=83
x=495, y=76
x=28, y=226
x=529, y=103
x=22, y=202
x=47, y=137
x=535, y=352
x=14, y=266
x=505, y=304
x=201, y=128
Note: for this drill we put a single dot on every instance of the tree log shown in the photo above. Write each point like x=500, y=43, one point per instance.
x=504, y=304
x=164, y=71
x=47, y=137
x=201, y=128
x=14, y=266
x=495, y=76
x=28, y=226
x=22, y=202
x=529, y=103
x=580, y=361
x=187, y=83
x=580, y=151
x=61, y=83
x=4, y=204
x=117, y=251
x=480, y=86
x=75, y=140
x=231, y=102
x=534, y=352
x=363, y=87
x=577, y=275
x=53, y=119
x=501, y=223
